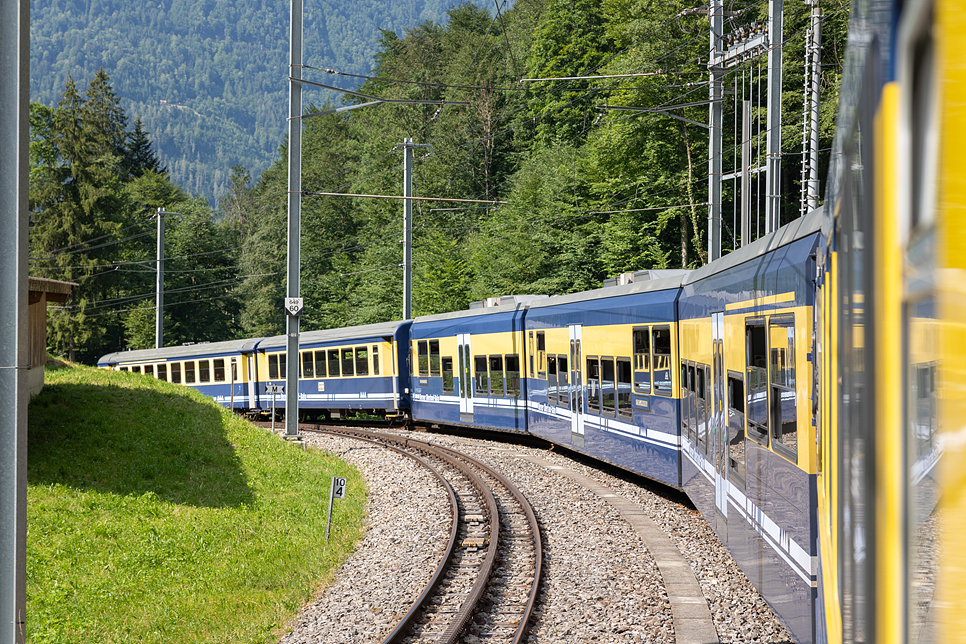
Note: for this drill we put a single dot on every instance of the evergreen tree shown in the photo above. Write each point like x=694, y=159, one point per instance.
x=139, y=154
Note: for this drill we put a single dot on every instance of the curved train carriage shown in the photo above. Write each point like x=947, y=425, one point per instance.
x=806, y=391
x=341, y=371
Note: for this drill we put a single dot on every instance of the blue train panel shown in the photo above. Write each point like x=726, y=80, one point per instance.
x=745, y=370
x=352, y=369
x=600, y=376
x=466, y=368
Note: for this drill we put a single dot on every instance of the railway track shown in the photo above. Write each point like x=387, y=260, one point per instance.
x=487, y=582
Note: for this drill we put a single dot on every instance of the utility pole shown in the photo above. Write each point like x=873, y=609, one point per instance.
x=815, y=41
x=716, y=121
x=14, y=137
x=159, y=312
x=294, y=224
x=408, y=146
x=407, y=229
x=773, y=138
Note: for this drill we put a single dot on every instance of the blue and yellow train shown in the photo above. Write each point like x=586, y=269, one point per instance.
x=808, y=391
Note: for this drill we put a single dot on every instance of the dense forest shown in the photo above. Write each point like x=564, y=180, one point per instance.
x=208, y=77
x=585, y=192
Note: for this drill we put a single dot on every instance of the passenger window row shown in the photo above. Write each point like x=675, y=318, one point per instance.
x=609, y=386
x=340, y=362
x=497, y=376
x=195, y=371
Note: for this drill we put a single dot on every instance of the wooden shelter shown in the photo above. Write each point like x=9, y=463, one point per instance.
x=42, y=291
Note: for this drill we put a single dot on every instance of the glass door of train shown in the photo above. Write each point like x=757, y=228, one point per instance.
x=719, y=424
x=466, y=376
x=576, y=388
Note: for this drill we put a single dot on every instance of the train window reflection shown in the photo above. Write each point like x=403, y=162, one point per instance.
x=434, y=357
x=736, y=426
x=320, y=364
x=661, y=346
x=423, y=357
x=362, y=361
x=162, y=372
x=219, y=369
x=482, y=377
x=347, y=361
x=784, y=414
x=496, y=376
x=176, y=373
x=189, y=370
x=563, y=382
x=375, y=360
x=333, y=361
x=512, y=364
x=757, y=379
x=624, y=409
x=448, y=384
x=642, y=360
x=593, y=385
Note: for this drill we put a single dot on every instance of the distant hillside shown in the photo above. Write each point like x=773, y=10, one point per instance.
x=208, y=77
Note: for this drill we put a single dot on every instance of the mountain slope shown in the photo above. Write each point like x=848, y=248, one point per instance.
x=208, y=77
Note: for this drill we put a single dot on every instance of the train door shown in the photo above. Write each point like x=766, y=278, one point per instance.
x=719, y=424
x=466, y=376
x=253, y=402
x=576, y=388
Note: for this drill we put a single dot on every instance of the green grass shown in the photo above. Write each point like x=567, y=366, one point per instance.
x=154, y=515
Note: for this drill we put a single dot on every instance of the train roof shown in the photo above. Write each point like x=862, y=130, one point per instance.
x=470, y=313
x=181, y=351
x=801, y=227
x=647, y=286
x=380, y=329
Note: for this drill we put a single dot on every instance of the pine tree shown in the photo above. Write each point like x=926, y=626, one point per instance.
x=139, y=154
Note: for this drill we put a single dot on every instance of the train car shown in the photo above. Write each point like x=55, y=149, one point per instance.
x=468, y=366
x=891, y=336
x=341, y=371
x=747, y=440
x=600, y=375
x=223, y=370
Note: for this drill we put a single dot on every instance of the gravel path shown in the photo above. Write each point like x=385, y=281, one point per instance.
x=600, y=583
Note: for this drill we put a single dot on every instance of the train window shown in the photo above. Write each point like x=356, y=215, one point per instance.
x=272, y=367
x=189, y=372
x=149, y=369
x=496, y=377
x=333, y=360
x=692, y=403
x=512, y=364
x=593, y=385
x=375, y=360
x=219, y=369
x=308, y=365
x=736, y=425
x=234, y=370
x=122, y=368
x=685, y=400
x=362, y=361
x=482, y=379
x=541, y=355
x=412, y=358
x=563, y=380
x=642, y=360
x=607, y=382
x=448, y=385
x=204, y=371
x=624, y=409
x=783, y=411
x=136, y=369
x=347, y=360
x=176, y=373
x=704, y=405
x=531, y=354
x=757, y=388
x=423, y=353
x=162, y=372
x=552, y=379
x=434, y=357
x=661, y=347
x=320, y=364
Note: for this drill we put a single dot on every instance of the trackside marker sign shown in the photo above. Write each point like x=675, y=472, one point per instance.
x=336, y=491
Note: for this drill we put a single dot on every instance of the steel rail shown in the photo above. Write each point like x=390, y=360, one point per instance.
x=407, y=620
x=468, y=608
x=537, y=542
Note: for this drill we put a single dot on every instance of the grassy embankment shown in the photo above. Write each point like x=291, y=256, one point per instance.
x=154, y=515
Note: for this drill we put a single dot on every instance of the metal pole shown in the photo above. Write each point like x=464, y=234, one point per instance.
x=715, y=146
x=294, y=221
x=745, y=172
x=408, y=230
x=159, y=313
x=816, y=89
x=14, y=135
x=773, y=136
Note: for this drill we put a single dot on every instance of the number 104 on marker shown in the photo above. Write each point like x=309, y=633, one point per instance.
x=336, y=491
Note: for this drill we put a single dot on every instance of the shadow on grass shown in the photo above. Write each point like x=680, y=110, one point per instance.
x=133, y=441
